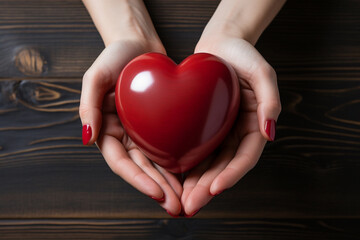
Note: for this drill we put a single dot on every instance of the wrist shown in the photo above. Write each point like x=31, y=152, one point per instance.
x=242, y=19
x=125, y=20
x=218, y=32
x=221, y=26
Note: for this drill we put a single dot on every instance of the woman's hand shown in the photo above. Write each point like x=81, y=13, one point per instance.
x=260, y=102
x=259, y=109
x=127, y=32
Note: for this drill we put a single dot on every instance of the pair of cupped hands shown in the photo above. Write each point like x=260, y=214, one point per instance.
x=240, y=151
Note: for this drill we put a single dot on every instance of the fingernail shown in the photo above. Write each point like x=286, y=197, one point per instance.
x=193, y=214
x=216, y=193
x=86, y=134
x=182, y=213
x=270, y=126
x=158, y=199
x=174, y=216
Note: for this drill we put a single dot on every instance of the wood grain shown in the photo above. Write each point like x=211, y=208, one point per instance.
x=263, y=229
x=306, y=41
x=310, y=170
x=305, y=185
x=30, y=62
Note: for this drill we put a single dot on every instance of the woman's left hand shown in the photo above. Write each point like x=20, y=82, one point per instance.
x=259, y=109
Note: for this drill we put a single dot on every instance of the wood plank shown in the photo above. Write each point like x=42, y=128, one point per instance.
x=306, y=41
x=311, y=170
x=263, y=229
x=314, y=40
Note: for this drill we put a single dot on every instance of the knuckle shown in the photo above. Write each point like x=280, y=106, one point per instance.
x=272, y=73
x=96, y=77
x=144, y=164
x=278, y=108
x=83, y=110
x=261, y=71
x=275, y=106
x=95, y=73
x=250, y=162
x=140, y=160
x=268, y=71
x=89, y=75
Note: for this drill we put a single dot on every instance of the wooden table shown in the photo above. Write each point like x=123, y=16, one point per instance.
x=306, y=185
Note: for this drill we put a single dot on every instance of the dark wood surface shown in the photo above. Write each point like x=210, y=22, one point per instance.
x=207, y=229
x=306, y=185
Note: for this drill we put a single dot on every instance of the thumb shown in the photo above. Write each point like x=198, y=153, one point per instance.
x=95, y=85
x=264, y=83
x=253, y=68
x=98, y=81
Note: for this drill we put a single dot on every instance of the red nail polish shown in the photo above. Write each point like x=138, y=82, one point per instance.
x=158, y=199
x=86, y=134
x=193, y=214
x=216, y=193
x=174, y=216
x=270, y=126
x=182, y=213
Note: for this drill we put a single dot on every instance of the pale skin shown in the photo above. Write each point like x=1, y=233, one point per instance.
x=127, y=31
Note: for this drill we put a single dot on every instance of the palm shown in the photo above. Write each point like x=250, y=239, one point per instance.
x=126, y=160
x=197, y=185
x=236, y=156
x=243, y=146
x=247, y=121
x=120, y=153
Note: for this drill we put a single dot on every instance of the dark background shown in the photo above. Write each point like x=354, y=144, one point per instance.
x=306, y=185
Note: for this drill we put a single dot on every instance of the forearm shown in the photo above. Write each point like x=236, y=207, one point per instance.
x=119, y=20
x=245, y=19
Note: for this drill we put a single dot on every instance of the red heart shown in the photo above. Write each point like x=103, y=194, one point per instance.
x=177, y=114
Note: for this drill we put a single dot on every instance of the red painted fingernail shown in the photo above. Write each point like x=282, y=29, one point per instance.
x=174, y=216
x=158, y=199
x=216, y=193
x=182, y=213
x=270, y=126
x=193, y=214
x=86, y=134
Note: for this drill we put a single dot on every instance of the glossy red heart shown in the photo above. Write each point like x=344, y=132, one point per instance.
x=177, y=114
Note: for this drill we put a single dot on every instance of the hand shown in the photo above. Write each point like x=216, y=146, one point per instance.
x=97, y=109
x=259, y=109
x=127, y=31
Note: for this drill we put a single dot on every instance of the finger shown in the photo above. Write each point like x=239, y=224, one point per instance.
x=200, y=194
x=112, y=127
x=251, y=66
x=246, y=157
x=264, y=84
x=91, y=102
x=109, y=103
x=192, y=179
x=170, y=200
x=121, y=164
x=172, y=180
x=262, y=79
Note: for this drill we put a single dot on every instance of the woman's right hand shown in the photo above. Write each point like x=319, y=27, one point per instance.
x=127, y=31
x=98, y=113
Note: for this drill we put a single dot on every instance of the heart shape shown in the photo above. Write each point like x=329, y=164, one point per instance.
x=177, y=114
